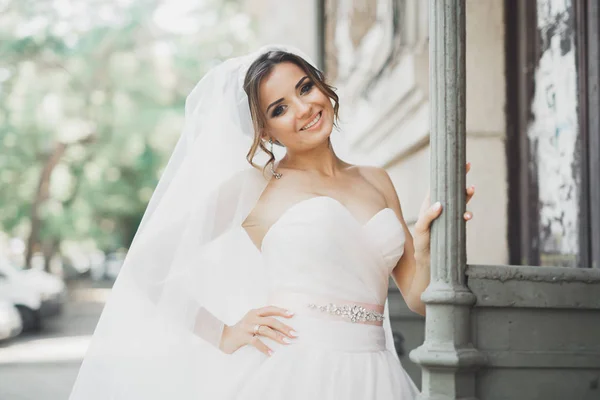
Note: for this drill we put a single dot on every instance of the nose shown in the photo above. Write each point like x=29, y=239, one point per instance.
x=304, y=110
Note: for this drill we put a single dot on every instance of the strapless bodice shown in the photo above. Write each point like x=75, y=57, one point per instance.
x=318, y=246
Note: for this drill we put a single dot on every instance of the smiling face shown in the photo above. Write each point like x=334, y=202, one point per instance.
x=297, y=114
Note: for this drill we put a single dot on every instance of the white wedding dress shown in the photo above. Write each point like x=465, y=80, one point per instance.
x=316, y=253
x=319, y=253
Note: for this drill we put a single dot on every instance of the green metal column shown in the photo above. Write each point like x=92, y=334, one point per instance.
x=447, y=356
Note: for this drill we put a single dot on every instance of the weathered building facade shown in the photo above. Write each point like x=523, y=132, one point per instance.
x=511, y=86
x=513, y=311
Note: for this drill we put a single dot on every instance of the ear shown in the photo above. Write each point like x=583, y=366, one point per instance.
x=264, y=135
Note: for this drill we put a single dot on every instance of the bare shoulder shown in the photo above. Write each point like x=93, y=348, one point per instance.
x=377, y=177
x=380, y=179
x=374, y=174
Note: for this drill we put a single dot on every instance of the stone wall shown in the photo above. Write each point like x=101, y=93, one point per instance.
x=538, y=329
x=296, y=24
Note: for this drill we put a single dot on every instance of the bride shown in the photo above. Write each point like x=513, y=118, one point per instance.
x=253, y=276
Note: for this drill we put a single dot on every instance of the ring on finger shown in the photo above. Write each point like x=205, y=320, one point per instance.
x=256, y=328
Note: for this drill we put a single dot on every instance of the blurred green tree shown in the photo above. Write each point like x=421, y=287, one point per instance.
x=91, y=103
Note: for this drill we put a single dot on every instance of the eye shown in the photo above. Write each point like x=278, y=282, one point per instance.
x=306, y=88
x=277, y=111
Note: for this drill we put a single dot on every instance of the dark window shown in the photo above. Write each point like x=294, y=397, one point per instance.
x=550, y=47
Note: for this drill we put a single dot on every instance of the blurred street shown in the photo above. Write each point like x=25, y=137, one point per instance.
x=44, y=365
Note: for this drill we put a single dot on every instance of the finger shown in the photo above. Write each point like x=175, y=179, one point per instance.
x=428, y=216
x=435, y=210
x=468, y=167
x=470, y=192
x=468, y=216
x=425, y=205
x=266, y=331
x=274, y=311
x=279, y=326
x=263, y=348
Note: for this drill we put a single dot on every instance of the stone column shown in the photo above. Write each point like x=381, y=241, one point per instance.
x=447, y=356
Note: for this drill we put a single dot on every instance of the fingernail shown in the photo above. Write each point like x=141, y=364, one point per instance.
x=294, y=333
x=286, y=340
x=270, y=352
x=437, y=206
x=468, y=216
x=289, y=313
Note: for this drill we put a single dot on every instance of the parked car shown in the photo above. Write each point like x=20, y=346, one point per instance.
x=52, y=290
x=10, y=320
x=27, y=300
x=23, y=286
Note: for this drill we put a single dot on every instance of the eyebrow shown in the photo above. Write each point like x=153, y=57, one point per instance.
x=295, y=87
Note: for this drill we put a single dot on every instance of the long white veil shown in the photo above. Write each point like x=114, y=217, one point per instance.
x=191, y=267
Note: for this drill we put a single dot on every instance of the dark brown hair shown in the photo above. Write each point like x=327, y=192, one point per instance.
x=260, y=69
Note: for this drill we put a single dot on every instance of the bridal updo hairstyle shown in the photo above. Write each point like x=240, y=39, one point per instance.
x=259, y=70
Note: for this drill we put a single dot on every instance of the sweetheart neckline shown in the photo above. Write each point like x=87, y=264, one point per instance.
x=336, y=201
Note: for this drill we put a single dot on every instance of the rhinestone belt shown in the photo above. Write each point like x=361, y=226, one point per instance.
x=353, y=312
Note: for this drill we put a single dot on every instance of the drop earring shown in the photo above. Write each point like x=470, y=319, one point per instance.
x=276, y=174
